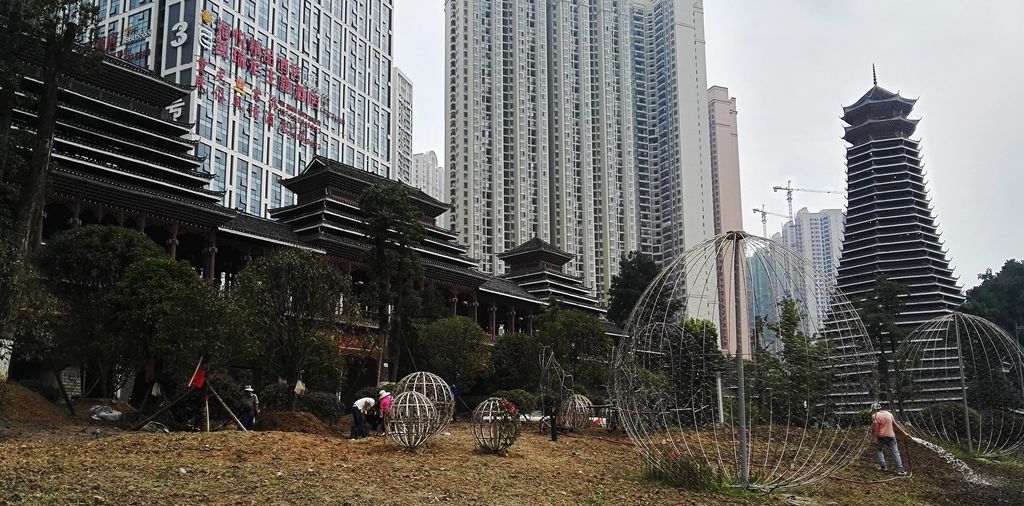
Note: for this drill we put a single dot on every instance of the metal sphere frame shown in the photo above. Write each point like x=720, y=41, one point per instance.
x=575, y=413
x=437, y=390
x=412, y=420
x=770, y=406
x=495, y=425
x=959, y=379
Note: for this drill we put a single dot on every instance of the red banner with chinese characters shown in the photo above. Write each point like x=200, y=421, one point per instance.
x=240, y=69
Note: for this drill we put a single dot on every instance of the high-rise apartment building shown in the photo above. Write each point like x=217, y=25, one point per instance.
x=276, y=83
x=725, y=160
x=427, y=175
x=401, y=128
x=544, y=129
x=728, y=215
x=674, y=184
x=818, y=237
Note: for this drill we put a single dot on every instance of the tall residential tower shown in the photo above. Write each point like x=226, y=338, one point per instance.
x=401, y=127
x=673, y=152
x=728, y=213
x=580, y=122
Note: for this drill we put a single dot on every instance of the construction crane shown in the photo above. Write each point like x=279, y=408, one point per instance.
x=764, y=219
x=789, y=194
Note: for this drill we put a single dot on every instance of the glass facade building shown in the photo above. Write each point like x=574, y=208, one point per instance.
x=277, y=83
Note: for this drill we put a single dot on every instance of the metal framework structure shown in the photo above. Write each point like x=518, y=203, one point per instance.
x=495, y=424
x=773, y=410
x=959, y=379
x=437, y=391
x=575, y=413
x=413, y=418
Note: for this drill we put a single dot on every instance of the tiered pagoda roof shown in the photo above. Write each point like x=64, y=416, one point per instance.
x=114, y=144
x=537, y=267
x=890, y=224
x=327, y=216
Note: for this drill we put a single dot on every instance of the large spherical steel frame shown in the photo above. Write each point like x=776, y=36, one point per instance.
x=437, y=390
x=958, y=368
x=773, y=408
x=412, y=419
x=494, y=427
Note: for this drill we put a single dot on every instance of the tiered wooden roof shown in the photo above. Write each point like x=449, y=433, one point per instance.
x=328, y=217
x=537, y=267
x=113, y=145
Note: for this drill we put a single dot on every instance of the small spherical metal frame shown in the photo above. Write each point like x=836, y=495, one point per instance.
x=575, y=413
x=959, y=379
x=437, y=390
x=495, y=424
x=412, y=419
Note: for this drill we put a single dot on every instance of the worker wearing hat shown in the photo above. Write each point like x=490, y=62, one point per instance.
x=883, y=424
x=384, y=400
x=250, y=406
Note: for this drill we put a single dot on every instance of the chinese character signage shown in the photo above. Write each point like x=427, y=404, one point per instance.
x=240, y=72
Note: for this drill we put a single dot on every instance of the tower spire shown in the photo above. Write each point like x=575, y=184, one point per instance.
x=874, y=76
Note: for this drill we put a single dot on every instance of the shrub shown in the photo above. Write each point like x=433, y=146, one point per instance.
x=322, y=405
x=274, y=397
x=524, y=401
x=48, y=392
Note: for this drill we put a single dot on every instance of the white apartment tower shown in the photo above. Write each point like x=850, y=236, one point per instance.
x=401, y=127
x=540, y=130
x=427, y=175
x=725, y=160
x=728, y=213
x=277, y=83
x=818, y=237
x=675, y=184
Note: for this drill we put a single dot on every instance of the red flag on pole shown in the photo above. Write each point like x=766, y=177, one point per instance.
x=198, y=377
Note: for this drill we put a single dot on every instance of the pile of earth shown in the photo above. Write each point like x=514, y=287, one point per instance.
x=291, y=421
x=19, y=405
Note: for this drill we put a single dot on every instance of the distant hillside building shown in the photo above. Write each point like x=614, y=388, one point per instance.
x=890, y=224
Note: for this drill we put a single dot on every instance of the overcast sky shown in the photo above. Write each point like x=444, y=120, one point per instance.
x=793, y=64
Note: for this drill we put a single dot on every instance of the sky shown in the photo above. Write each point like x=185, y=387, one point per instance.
x=793, y=64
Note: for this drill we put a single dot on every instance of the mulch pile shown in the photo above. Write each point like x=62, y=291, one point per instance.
x=20, y=405
x=291, y=421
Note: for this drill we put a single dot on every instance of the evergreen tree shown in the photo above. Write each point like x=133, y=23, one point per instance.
x=395, y=272
x=636, y=272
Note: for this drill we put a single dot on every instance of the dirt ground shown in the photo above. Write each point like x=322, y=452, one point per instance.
x=81, y=464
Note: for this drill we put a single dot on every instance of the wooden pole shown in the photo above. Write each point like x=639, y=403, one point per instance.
x=226, y=408
x=206, y=412
x=166, y=407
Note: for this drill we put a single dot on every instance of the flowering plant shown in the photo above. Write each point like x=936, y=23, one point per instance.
x=509, y=407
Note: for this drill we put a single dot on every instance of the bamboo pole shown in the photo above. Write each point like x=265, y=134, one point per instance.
x=226, y=408
x=160, y=411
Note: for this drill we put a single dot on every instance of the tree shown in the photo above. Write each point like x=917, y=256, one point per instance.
x=1000, y=298
x=162, y=310
x=515, y=362
x=291, y=301
x=636, y=272
x=80, y=266
x=878, y=311
x=797, y=378
x=395, y=229
x=574, y=336
x=25, y=157
x=456, y=349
